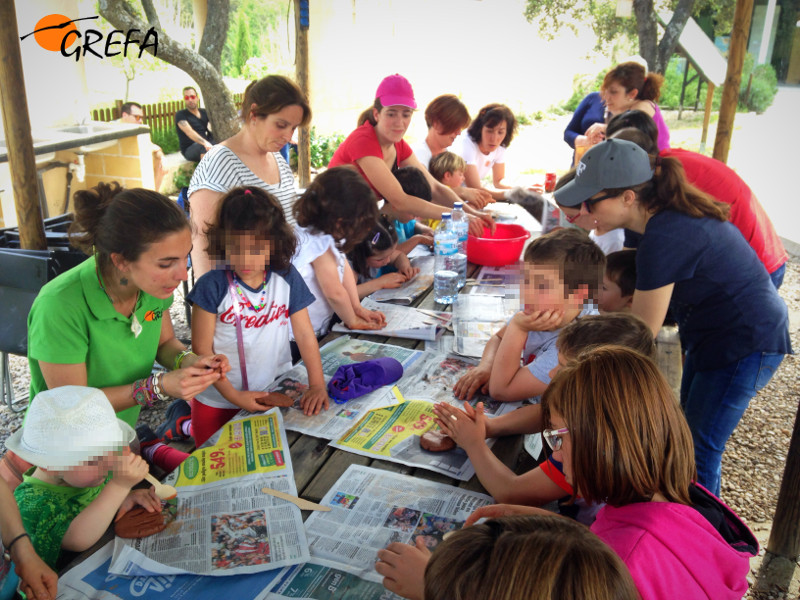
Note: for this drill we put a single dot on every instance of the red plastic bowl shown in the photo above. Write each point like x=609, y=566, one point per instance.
x=502, y=248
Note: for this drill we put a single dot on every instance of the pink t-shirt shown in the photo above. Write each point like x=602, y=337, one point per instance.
x=364, y=142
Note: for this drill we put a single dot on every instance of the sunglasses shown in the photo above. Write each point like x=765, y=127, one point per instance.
x=138, y=117
x=553, y=437
x=592, y=201
x=190, y=97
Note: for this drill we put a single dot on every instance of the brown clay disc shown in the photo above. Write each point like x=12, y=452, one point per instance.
x=436, y=441
x=275, y=399
x=139, y=523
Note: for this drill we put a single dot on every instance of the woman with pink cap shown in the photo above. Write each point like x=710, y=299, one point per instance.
x=376, y=149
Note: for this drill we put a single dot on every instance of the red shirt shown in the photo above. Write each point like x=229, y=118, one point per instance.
x=364, y=142
x=720, y=181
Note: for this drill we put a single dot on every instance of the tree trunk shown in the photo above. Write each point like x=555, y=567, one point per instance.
x=218, y=99
x=672, y=32
x=647, y=30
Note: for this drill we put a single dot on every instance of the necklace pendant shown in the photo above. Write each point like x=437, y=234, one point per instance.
x=136, y=327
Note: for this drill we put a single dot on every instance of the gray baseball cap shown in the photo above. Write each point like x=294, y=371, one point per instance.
x=610, y=164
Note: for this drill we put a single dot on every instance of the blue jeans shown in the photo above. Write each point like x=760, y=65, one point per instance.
x=777, y=276
x=714, y=402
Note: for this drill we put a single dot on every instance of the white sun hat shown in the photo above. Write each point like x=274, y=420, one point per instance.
x=68, y=426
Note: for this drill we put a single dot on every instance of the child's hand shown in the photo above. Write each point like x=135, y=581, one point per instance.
x=362, y=324
x=538, y=320
x=391, y=280
x=475, y=380
x=314, y=399
x=408, y=271
x=494, y=511
x=129, y=469
x=146, y=498
x=465, y=431
x=478, y=222
x=38, y=581
x=402, y=567
x=252, y=401
x=372, y=316
x=421, y=238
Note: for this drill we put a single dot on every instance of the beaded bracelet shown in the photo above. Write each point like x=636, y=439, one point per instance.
x=143, y=392
x=181, y=355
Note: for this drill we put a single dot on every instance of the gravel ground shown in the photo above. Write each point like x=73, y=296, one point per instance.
x=752, y=466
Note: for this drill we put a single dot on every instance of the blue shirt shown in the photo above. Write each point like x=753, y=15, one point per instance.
x=724, y=301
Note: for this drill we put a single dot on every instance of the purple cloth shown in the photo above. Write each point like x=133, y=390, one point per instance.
x=356, y=379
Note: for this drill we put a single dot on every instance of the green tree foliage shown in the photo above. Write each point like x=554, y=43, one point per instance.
x=552, y=15
x=244, y=44
x=268, y=26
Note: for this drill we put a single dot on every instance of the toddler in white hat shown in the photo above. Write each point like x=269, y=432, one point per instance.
x=84, y=470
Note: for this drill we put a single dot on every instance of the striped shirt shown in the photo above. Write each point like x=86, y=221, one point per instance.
x=221, y=170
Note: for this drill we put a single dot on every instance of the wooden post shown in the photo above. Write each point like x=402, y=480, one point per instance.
x=784, y=538
x=301, y=74
x=19, y=141
x=733, y=78
x=707, y=115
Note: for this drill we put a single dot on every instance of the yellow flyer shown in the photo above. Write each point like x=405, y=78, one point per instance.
x=393, y=434
x=251, y=445
x=380, y=430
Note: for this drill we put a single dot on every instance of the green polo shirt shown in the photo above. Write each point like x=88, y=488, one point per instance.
x=72, y=321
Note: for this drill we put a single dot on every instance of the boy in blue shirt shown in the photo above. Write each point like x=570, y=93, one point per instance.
x=561, y=275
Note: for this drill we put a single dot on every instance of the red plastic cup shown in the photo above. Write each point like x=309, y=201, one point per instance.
x=549, y=182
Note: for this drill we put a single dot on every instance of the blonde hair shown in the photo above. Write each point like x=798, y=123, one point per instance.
x=629, y=437
x=446, y=162
x=539, y=557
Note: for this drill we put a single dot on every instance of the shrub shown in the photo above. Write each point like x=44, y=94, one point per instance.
x=183, y=176
x=166, y=138
x=323, y=147
x=762, y=88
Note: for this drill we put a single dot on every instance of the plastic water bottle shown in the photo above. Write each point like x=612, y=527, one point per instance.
x=445, y=248
x=461, y=227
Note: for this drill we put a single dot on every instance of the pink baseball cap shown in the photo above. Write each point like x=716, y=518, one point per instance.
x=396, y=90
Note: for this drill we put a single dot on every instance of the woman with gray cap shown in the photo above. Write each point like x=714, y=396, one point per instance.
x=733, y=324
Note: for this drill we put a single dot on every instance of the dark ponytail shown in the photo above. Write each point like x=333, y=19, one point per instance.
x=382, y=237
x=367, y=115
x=669, y=190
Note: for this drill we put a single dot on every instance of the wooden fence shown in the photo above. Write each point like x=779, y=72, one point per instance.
x=160, y=115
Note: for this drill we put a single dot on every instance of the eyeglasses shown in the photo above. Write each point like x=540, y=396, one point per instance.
x=592, y=201
x=553, y=437
x=190, y=97
x=138, y=117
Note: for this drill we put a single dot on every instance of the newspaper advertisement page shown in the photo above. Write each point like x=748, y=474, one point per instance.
x=332, y=423
x=91, y=580
x=435, y=374
x=325, y=580
x=393, y=433
x=372, y=508
x=224, y=524
x=411, y=289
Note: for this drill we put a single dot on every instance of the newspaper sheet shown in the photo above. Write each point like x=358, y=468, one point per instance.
x=477, y=318
x=325, y=580
x=332, y=423
x=393, y=433
x=91, y=580
x=435, y=374
x=403, y=321
x=411, y=289
x=498, y=281
x=224, y=524
x=372, y=508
